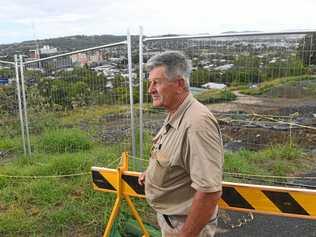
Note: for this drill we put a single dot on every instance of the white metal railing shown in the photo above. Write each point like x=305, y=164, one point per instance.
x=7, y=62
x=77, y=52
x=22, y=93
x=230, y=35
x=143, y=44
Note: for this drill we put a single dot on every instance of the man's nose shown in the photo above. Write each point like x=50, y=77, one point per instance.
x=150, y=88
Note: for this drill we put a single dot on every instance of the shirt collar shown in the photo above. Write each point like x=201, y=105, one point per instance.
x=174, y=120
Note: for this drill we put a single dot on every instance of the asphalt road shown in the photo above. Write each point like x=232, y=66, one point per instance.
x=265, y=226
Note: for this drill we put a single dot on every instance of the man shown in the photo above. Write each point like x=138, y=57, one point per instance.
x=183, y=181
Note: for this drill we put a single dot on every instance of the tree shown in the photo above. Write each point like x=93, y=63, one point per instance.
x=6, y=72
x=292, y=66
x=9, y=102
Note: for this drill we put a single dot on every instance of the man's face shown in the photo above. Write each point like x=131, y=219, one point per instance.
x=162, y=91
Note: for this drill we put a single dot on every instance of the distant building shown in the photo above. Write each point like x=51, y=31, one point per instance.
x=34, y=54
x=212, y=85
x=87, y=58
x=48, y=50
x=43, y=52
x=224, y=67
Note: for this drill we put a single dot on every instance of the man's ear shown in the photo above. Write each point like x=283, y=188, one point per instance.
x=181, y=84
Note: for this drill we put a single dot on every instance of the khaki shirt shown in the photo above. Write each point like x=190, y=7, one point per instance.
x=187, y=156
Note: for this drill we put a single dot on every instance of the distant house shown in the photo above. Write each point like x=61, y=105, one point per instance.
x=48, y=50
x=224, y=67
x=212, y=85
x=109, y=85
x=43, y=52
x=87, y=58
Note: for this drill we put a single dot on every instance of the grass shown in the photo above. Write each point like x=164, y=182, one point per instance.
x=215, y=96
x=10, y=143
x=64, y=140
x=266, y=86
x=69, y=206
x=54, y=206
x=312, y=89
x=91, y=114
x=276, y=160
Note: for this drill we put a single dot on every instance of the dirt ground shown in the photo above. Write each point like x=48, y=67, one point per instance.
x=242, y=129
x=256, y=121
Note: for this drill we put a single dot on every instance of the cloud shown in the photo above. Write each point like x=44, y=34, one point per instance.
x=61, y=18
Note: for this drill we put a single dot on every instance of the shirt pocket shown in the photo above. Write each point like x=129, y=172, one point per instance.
x=160, y=171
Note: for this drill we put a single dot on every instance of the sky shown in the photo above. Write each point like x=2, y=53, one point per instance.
x=22, y=20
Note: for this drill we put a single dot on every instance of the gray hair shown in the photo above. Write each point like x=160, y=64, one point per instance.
x=176, y=64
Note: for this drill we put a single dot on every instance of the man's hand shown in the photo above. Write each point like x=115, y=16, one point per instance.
x=203, y=207
x=141, y=178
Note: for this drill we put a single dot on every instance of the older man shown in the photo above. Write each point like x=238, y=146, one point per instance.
x=183, y=181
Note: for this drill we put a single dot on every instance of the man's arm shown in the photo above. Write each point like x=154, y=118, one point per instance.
x=203, y=207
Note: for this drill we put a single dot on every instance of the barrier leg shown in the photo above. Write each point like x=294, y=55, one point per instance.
x=114, y=214
x=120, y=195
x=117, y=204
x=136, y=215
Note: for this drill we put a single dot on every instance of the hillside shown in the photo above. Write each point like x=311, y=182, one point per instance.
x=63, y=44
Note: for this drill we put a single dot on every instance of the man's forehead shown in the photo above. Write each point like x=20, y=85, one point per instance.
x=160, y=68
x=157, y=73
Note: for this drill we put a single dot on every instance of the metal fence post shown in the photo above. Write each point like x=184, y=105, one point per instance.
x=129, y=56
x=141, y=99
x=25, y=108
x=311, y=51
x=19, y=101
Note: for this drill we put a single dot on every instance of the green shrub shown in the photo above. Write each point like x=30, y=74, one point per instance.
x=239, y=162
x=43, y=121
x=64, y=140
x=215, y=96
x=275, y=160
x=10, y=143
x=283, y=152
x=266, y=86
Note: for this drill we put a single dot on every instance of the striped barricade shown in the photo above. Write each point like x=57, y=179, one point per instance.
x=290, y=202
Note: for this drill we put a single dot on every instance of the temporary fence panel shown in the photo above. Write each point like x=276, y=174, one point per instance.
x=260, y=86
x=80, y=101
x=12, y=133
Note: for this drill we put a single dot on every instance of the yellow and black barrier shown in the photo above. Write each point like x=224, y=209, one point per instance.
x=289, y=202
x=111, y=180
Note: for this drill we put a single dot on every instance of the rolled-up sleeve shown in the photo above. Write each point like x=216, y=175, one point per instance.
x=205, y=157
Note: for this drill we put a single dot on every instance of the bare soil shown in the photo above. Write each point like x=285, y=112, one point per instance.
x=256, y=121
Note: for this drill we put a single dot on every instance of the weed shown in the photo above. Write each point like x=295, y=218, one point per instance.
x=10, y=143
x=274, y=160
x=268, y=85
x=64, y=140
x=215, y=96
x=62, y=206
x=70, y=207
